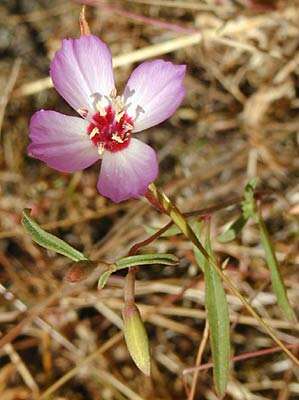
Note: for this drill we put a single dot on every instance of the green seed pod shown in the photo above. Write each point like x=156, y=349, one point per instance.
x=136, y=338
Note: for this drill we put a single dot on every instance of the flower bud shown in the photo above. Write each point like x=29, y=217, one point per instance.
x=79, y=271
x=136, y=338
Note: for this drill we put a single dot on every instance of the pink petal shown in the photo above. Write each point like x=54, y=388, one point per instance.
x=61, y=141
x=127, y=173
x=153, y=92
x=82, y=68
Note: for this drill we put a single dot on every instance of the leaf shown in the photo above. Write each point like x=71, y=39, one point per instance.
x=233, y=230
x=218, y=318
x=134, y=261
x=146, y=259
x=104, y=278
x=49, y=241
x=250, y=210
x=276, y=278
x=248, y=204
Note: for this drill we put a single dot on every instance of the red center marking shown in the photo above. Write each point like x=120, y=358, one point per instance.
x=106, y=131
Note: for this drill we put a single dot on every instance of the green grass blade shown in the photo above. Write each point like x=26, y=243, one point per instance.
x=218, y=318
x=49, y=241
x=276, y=278
x=233, y=230
x=250, y=210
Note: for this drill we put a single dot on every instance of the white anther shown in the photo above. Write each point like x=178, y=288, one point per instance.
x=94, y=132
x=119, y=116
x=128, y=126
x=116, y=138
x=82, y=111
x=113, y=93
x=101, y=108
x=101, y=149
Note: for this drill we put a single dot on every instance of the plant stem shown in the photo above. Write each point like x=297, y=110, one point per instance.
x=129, y=289
x=181, y=222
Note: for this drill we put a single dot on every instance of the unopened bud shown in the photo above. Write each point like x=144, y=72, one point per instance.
x=78, y=271
x=136, y=338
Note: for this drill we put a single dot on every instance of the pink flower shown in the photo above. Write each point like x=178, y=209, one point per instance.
x=82, y=73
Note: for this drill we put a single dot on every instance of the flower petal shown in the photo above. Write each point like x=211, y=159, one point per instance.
x=82, y=68
x=153, y=92
x=61, y=141
x=127, y=173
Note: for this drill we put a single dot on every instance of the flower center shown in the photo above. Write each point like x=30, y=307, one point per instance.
x=110, y=128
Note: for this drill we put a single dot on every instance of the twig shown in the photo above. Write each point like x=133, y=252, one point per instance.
x=198, y=360
x=23, y=370
x=21, y=306
x=101, y=350
x=8, y=89
x=242, y=357
x=63, y=291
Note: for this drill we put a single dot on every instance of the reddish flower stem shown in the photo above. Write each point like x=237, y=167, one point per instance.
x=242, y=357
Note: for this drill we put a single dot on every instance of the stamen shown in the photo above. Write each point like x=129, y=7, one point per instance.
x=110, y=127
x=113, y=93
x=100, y=107
x=119, y=116
x=128, y=126
x=101, y=149
x=94, y=132
x=83, y=112
x=117, y=138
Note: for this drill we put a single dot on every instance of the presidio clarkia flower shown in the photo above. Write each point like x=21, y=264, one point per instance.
x=82, y=73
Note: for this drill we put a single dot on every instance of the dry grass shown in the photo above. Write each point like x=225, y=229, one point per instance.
x=239, y=119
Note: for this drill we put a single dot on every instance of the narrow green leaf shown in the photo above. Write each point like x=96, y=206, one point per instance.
x=49, y=241
x=134, y=261
x=248, y=204
x=276, y=278
x=250, y=210
x=218, y=318
x=104, y=278
x=233, y=230
x=146, y=259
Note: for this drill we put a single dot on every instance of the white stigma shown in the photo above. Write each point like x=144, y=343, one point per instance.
x=101, y=149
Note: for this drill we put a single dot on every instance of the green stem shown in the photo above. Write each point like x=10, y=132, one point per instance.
x=129, y=289
x=179, y=220
x=276, y=278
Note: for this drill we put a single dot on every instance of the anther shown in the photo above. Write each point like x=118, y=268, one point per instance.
x=83, y=112
x=101, y=148
x=94, y=132
x=117, y=138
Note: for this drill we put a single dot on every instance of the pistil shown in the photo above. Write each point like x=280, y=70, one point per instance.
x=110, y=128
